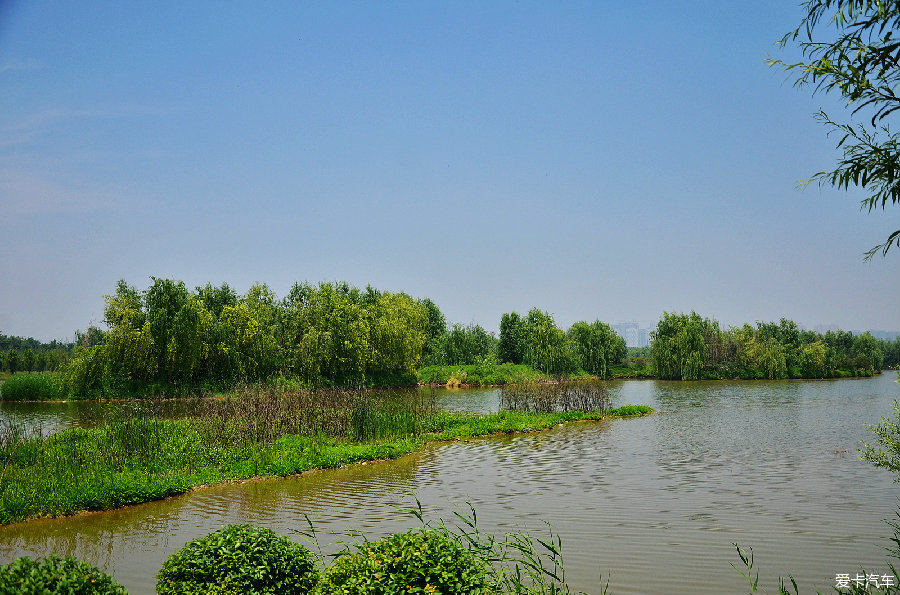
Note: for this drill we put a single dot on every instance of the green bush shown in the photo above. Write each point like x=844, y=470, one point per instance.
x=426, y=561
x=30, y=387
x=239, y=559
x=54, y=575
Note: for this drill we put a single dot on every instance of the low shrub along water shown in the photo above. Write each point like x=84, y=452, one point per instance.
x=239, y=559
x=425, y=561
x=56, y=576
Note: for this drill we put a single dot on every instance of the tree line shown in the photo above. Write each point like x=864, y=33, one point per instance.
x=690, y=347
x=324, y=335
x=333, y=334
x=330, y=334
x=18, y=354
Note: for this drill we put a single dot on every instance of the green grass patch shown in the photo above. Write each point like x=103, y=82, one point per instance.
x=31, y=386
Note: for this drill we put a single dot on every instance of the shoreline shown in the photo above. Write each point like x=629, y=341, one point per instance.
x=546, y=381
x=462, y=429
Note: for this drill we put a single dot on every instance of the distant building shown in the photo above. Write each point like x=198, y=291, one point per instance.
x=644, y=338
x=824, y=328
x=634, y=335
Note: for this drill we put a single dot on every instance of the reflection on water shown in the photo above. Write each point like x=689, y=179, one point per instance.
x=652, y=503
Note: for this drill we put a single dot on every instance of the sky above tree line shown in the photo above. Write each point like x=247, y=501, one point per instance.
x=596, y=160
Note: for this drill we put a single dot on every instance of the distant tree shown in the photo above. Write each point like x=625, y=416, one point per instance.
x=598, y=346
x=432, y=353
x=678, y=346
x=216, y=298
x=512, y=338
x=12, y=361
x=92, y=337
x=866, y=351
x=852, y=47
x=28, y=360
x=463, y=345
x=547, y=348
x=891, y=351
x=814, y=360
x=40, y=361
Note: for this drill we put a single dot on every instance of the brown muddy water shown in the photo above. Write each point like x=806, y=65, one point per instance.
x=653, y=504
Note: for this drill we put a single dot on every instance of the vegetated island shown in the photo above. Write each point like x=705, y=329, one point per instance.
x=137, y=457
x=170, y=340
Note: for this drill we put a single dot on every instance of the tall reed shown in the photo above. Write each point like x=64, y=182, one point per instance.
x=583, y=395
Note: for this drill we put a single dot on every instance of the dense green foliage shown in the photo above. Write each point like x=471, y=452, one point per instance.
x=891, y=351
x=463, y=345
x=512, y=338
x=239, y=559
x=167, y=337
x=598, y=347
x=425, y=561
x=31, y=387
x=56, y=576
x=850, y=47
x=537, y=341
x=689, y=347
x=887, y=453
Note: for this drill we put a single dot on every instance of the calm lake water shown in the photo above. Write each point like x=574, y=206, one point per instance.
x=653, y=504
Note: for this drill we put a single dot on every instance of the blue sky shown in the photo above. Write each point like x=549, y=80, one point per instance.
x=597, y=160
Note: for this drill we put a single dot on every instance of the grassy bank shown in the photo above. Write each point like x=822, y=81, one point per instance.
x=138, y=458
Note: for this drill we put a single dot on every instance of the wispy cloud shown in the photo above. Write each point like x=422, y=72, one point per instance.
x=23, y=65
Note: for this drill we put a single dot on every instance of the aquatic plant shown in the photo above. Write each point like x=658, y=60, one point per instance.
x=56, y=576
x=240, y=559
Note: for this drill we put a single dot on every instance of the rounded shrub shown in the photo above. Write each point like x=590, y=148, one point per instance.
x=426, y=561
x=239, y=559
x=56, y=576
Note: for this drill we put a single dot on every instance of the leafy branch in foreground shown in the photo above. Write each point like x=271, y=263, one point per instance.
x=887, y=455
x=861, y=63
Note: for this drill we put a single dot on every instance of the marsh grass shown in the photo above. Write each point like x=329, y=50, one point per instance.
x=135, y=456
x=31, y=386
x=582, y=395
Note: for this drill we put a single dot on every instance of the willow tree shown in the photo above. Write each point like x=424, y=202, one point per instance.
x=512, y=338
x=399, y=329
x=599, y=347
x=678, y=346
x=852, y=48
x=547, y=348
